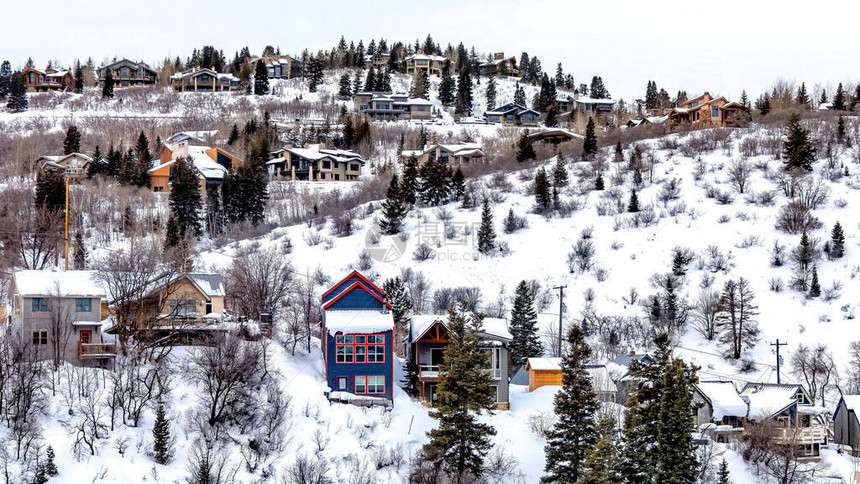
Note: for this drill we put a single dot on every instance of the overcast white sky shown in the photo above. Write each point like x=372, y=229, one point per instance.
x=721, y=46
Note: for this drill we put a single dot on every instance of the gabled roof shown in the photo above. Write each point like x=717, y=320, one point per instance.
x=766, y=400
x=125, y=61
x=29, y=283
x=495, y=328
x=358, y=321
x=347, y=283
x=723, y=398
x=625, y=360
x=689, y=101
x=439, y=58
x=601, y=381
x=543, y=364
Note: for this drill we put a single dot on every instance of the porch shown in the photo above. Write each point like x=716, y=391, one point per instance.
x=96, y=350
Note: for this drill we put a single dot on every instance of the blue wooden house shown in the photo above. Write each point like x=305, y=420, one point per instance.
x=357, y=342
x=791, y=415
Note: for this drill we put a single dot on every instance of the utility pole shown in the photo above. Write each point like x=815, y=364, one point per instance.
x=66, y=239
x=777, y=345
x=560, y=315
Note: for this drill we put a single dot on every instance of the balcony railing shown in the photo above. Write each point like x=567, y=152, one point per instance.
x=800, y=435
x=96, y=350
x=428, y=371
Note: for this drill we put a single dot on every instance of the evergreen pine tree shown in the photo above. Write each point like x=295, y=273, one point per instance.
x=589, y=145
x=559, y=76
x=16, y=101
x=837, y=242
x=525, y=150
x=316, y=74
x=409, y=184
x=345, y=90
x=40, y=476
x=633, y=204
x=745, y=100
x=97, y=166
x=486, y=232
x=107, y=85
x=80, y=255
x=458, y=184
x=261, y=78
x=50, y=466
x=50, y=191
x=393, y=209
x=356, y=82
x=5, y=78
x=144, y=161
x=559, y=175
x=574, y=433
x=491, y=94
x=602, y=461
x=446, y=86
x=839, y=99
x=171, y=232
x=526, y=341
x=410, y=382
x=511, y=223
x=72, y=143
x=552, y=115
x=79, y=78
x=370, y=80
x=161, y=436
x=802, y=96
x=814, y=286
x=598, y=182
x=435, y=178
x=798, y=150
x=542, y=191
x=185, y=199
x=676, y=452
x=619, y=153
x=763, y=104
x=460, y=442
x=723, y=473
x=840, y=129
x=463, y=104
x=234, y=135
x=519, y=95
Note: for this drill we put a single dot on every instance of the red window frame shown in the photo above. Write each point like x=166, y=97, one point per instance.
x=366, y=392
x=363, y=349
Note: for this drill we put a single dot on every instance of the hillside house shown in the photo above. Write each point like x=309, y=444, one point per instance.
x=61, y=312
x=431, y=64
x=387, y=106
x=203, y=80
x=315, y=163
x=377, y=60
x=719, y=410
x=513, y=115
x=547, y=371
x=48, y=80
x=211, y=163
x=452, y=153
x=74, y=166
x=846, y=425
x=127, y=73
x=790, y=416
x=553, y=136
x=428, y=337
x=592, y=107
x=279, y=66
x=705, y=111
x=619, y=370
x=357, y=342
x=499, y=66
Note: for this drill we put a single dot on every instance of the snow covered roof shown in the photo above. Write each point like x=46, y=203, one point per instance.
x=492, y=327
x=211, y=284
x=29, y=283
x=724, y=399
x=588, y=100
x=207, y=166
x=601, y=381
x=314, y=153
x=768, y=399
x=358, y=321
x=625, y=360
x=439, y=58
x=544, y=364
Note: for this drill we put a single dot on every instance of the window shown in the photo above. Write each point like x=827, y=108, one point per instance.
x=494, y=361
x=494, y=390
x=337, y=176
x=359, y=348
x=40, y=304
x=32, y=78
x=341, y=384
x=326, y=165
x=369, y=384
x=124, y=72
x=354, y=167
x=40, y=337
x=715, y=112
x=83, y=305
x=422, y=108
x=183, y=308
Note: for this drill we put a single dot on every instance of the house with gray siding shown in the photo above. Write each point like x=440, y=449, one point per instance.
x=846, y=426
x=61, y=313
x=428, y=337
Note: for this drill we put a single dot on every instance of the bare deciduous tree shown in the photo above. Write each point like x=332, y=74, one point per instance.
x=735, y=317
x=705, y=309
x=816, y=367
x=739, y=172
x=259, y=281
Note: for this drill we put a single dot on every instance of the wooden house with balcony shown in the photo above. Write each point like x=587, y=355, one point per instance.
x=453, y=154
x=73, y=166
x=358, y=342
x=203, y=80
x=211, y=163
x=127, y=73
x=388, y=106
x=718, y=410
x=547, y=371
x=315, y=163
x=787, y=414
x=500, y=66
x=48, y=80
x=428, y=337
x=423, y=63
x=706, y=111
x=377, y=60
x=279, y=66
x=61, y=313
x=513, y=115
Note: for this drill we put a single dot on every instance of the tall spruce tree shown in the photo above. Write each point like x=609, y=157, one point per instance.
x=723, y=476
x=460, y=442
x=393, y=209
x=185, y=199
x=446, y=86
x=814, y=285
x=525, y=150
x=676, y=454
x=345, y=89
x=16, y=101
x=50, y=465
x=409, y=184
x=72, y=143
x=458, y=184
x=839, y=99
x=80, y=252
x=161, y=445
x=435, y=178
x=798, y=149
x=602, y=461
x=144, y=161
x=261, y=78
x=802, y=97
x=524, y=330
x=463, y=104
x=370, y=80
x=491, y=94
x=574, y=431
x=559, y=174
x=633, y=204
x=5, y=79
x=50, y=191
x=486, y=232
x=79, y=78
x=542, y=191
x=837, y=241
x=107, y=85
x=589, y=145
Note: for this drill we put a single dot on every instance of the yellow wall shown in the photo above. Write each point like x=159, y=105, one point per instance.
x=538, y=379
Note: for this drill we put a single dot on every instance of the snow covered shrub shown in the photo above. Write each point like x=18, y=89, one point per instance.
x=501, y=467
x=513, y=222
x=743, y=215
x=811, y=192
x=312, y=238
x=422, y=252
x=775, y=284
x=724, y=218
x=832, y=292
x=587, y=233
x=766, y=198
x=450, y=231
x=601, y=274
x=750, y=146
x=328, y=243
x=677, y=209
x=749, y=241
x=671, y=190
x=717, y=260
x=500, y=181
x=795, y=218
x=581, y=257
x=840, y=203
x=606, y=208
x=747, y=366
x=364, y=262
x=645, y=217
x=706, y=281
x=503, y=249
x=777, y=254
x=723, y=197
x=307, y=470
x=616, y=245
x=443, y=214
x=287, y=246
x=699, y=170
x=541, y=423
x=342, y=225
x=739, y=173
